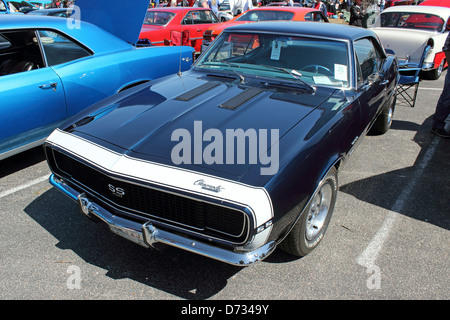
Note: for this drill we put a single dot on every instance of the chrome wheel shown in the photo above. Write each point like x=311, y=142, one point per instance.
x=390, y=116
x=312, y=224
x=435, y=74
x=440, y=68
x=318, y=212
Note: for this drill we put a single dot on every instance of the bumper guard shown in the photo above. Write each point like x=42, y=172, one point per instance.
x=147, y=235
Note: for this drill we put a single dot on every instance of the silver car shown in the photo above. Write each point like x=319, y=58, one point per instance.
x=408, y=29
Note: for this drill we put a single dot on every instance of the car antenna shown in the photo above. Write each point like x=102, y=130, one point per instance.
x=181, y=44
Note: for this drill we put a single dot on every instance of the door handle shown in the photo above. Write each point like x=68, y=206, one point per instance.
x=384, y=82
x=49, y=86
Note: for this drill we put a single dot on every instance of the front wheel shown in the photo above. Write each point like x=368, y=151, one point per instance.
x=310, y=229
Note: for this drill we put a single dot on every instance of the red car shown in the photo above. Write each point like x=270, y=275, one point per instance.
x=436, y=3
x=270, y=13
x=177, y=26
x=391, y=3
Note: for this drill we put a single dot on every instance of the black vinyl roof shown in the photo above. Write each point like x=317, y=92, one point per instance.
x=319, y=29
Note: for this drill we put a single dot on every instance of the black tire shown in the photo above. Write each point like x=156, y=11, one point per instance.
x=384, y=120
x=310, y=229
x=435, y=73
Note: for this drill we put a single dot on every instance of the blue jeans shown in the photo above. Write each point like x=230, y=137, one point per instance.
x=443, y=106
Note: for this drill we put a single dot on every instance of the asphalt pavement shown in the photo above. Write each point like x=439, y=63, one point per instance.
x=389, y=237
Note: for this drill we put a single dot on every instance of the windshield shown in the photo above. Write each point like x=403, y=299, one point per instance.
x=409, y=20
x=265, y=15
x=158, y=18
x=313, y=61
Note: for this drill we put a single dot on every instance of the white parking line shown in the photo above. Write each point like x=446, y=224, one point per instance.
x=432, y=89
x=24, y=186
x=368, y=257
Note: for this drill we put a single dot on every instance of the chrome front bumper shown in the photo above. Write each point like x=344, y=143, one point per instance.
x=147, y=235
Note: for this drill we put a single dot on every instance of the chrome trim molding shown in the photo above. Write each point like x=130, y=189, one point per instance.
x=147, y=235
x=20, y=149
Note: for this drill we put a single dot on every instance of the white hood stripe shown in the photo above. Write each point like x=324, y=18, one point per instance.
x=256, y=198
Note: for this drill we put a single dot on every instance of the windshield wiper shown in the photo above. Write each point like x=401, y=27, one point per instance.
x=294, y=73
x=231, y=66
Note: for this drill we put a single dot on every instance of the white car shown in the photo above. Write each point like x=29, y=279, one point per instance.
x=408, y=29
x=225, y=12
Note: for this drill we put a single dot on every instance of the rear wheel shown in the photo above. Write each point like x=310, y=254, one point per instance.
x=384, y=120
x=309, y=230
x=435, y=73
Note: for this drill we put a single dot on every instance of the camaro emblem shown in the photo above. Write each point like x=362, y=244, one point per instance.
x=118, y=192
x=209, y=187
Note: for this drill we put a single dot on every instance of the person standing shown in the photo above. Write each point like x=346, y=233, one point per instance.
x=356, y=14
x=247, y=5
x=213, y=4
x=321, y=6
x=443, y=106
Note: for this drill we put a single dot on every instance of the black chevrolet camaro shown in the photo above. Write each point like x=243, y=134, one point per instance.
x=241, y=153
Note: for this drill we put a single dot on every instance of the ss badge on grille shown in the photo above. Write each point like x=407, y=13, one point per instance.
x=118, y=192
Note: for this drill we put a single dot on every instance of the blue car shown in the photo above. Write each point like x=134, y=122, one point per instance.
x=52, y=68
x=240, y=154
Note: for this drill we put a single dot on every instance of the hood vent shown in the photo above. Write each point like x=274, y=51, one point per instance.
x=79, y=123
x=197, y=91
x=237, y=101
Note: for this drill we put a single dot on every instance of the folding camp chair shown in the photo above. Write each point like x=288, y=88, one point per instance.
x=178, y=38
x=408, y=84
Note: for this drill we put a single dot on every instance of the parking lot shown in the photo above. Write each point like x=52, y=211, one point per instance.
x=389, y=237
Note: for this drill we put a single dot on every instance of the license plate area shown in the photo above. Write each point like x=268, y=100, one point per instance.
x=129, y=234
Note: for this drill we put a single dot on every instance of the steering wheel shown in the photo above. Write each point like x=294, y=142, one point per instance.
x=316, y=67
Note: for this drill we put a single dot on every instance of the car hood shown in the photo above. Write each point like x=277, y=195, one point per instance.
x=154, y=122
x=404, y=42
x=115, y=16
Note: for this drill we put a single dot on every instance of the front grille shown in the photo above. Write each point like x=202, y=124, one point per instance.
x=202, y=217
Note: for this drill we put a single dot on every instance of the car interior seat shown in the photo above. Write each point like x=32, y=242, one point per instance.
x=11, y=66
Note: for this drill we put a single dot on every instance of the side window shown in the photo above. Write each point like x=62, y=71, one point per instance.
x=200, y=17
x=59, y=49
x=314, y=16
x=19, y=52
x=188, y=19
x=2, y=6
x=253, y=16
x=208, y=17
x=368, y=59
x=214, y=18
x=318, y=17
x=4, y=43
x=203, y=17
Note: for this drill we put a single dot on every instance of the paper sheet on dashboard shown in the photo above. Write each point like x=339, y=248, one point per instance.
x=340, y=72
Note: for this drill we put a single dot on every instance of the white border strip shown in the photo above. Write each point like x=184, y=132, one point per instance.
x=256, y=198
